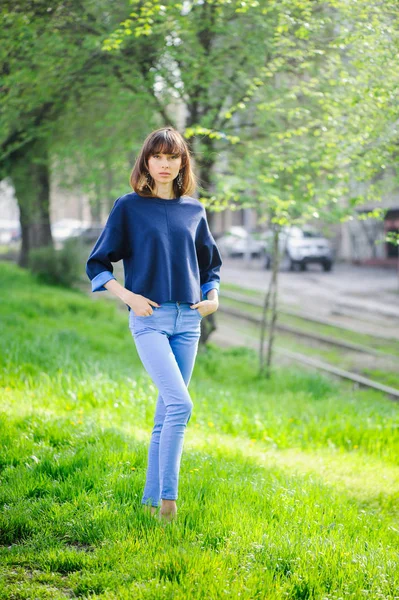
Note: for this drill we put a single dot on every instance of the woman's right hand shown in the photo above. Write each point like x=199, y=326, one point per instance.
x=140, y=305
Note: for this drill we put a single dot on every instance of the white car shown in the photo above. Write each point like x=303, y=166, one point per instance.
x=66, y=228
x=300, y=246
x=237, y=241
x=10, y=230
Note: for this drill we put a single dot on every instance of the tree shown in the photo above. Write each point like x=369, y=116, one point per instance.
x=53, y=69
x=317, y=148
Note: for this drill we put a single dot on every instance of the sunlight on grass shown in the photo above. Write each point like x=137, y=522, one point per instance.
x=288, y=487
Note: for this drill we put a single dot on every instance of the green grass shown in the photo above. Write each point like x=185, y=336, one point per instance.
x=288, y=487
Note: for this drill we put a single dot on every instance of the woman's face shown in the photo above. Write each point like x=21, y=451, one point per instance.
x=164, y=163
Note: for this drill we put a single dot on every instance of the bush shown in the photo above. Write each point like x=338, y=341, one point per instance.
x=59, y=267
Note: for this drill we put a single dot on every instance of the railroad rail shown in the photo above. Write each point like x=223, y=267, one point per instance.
x=314, y=362
x=297, y=330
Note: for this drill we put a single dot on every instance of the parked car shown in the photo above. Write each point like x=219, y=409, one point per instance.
x=67, y=228
x=10, y=231
x=90, y=234
x=237, y=241
x=300, y=246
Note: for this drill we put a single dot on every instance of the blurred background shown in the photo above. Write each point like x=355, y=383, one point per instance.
x=290, y=112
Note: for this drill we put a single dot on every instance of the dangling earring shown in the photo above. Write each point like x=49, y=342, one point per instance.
x=147, y=175
x=179, y=180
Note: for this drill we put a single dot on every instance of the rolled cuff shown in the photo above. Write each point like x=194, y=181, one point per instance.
x=97, y=283
x=210, y=285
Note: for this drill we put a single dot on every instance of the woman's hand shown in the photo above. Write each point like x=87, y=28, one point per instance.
x=140, y=305
x=206, y=307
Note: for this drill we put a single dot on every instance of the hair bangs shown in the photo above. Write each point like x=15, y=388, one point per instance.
x=165, y=143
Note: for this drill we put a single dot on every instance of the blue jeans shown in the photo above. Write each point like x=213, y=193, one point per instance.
x=167, y=343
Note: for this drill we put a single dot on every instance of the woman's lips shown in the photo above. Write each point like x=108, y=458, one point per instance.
x=164, y=173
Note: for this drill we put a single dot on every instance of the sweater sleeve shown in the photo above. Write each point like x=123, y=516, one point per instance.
x=209, y=259
x=111, y=246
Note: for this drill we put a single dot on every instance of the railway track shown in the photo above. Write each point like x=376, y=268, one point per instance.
x=307, y=360
x=312, y=335
x=310, y=318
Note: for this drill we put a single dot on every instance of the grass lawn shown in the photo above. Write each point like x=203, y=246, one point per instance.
x=289, y=487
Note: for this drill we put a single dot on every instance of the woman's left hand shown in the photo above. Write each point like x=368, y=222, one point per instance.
x=206, y=307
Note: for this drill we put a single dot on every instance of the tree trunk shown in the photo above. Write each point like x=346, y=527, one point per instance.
x=263, y=325
x=29, y=172
x=273, y=292
x=273, y=319
x=205, y=167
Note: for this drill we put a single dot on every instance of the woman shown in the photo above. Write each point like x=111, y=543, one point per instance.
x=169, y=256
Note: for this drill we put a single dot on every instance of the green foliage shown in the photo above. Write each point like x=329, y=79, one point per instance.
x=393, y=237
x=218, y=49
x=59, y=267
x=55, y=78
x=323, y=130
x=310, y=90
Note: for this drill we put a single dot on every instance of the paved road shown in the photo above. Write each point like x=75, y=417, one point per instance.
x=364, y=296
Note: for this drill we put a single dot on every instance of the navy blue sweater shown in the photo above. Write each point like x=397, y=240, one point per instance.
x=167, y=249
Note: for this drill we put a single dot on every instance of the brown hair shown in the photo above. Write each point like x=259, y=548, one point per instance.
x=166, y=140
